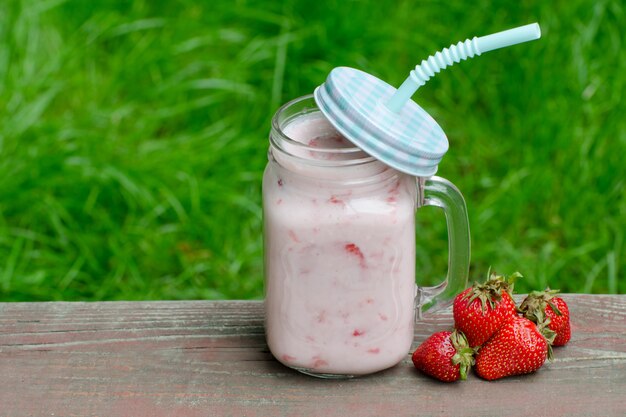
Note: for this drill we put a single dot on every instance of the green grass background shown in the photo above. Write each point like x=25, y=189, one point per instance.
x=133, y=136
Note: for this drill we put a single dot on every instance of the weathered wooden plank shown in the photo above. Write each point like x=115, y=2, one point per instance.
x=210, y=358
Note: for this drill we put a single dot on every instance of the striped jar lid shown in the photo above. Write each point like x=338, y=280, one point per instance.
x=410, y=141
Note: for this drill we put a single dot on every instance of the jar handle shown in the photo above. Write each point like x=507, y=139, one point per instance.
x=439, y=192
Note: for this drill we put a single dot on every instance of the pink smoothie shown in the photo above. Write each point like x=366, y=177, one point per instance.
x=339, y=255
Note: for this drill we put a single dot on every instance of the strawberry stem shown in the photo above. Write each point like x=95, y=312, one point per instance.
x=464, y=356
x=491, y=290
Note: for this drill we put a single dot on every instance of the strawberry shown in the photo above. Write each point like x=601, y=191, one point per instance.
x=445, y=356
x=545, y=308
x=482, y=309
x=517, y=348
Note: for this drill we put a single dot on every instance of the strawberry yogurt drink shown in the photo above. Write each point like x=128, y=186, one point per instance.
x=339, y=231
x=340, y=253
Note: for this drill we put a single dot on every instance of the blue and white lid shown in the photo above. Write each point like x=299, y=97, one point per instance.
x=410, y=140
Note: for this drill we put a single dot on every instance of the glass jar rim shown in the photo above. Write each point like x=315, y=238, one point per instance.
x=277, y=130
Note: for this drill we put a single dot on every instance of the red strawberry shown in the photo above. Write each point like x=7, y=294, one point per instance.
x=445, y=356
x=517, y=348
x=544, y=308
x=482, y=309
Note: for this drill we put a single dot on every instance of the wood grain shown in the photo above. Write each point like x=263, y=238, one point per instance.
x=203, y=358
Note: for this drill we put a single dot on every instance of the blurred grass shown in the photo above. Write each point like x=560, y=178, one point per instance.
x=133, y=136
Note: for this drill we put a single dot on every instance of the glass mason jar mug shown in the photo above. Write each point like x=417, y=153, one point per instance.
x=339, y=234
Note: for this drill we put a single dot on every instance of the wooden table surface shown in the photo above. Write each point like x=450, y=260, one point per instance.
x=209, y=358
